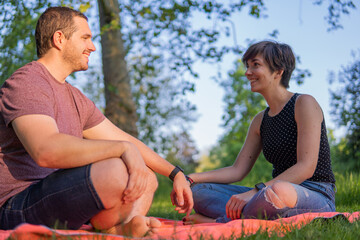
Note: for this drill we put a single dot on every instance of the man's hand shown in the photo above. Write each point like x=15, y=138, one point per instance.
x=236, y=204
x=181, y=195
x=138, y=173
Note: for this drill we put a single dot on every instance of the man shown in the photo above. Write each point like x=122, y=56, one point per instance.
x=62, y=163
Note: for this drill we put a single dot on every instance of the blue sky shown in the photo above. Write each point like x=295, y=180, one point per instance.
x=301, y=24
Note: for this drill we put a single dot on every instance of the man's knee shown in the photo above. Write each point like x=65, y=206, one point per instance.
x=281, y=194
x=152, y=181
x=112, y=171
x=110, y=178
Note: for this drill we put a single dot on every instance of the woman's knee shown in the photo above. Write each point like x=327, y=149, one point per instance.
x=281, y=194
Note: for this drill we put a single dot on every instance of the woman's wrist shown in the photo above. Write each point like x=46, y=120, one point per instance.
x=190, y=180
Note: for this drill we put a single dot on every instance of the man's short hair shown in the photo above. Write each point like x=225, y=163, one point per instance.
x=52, y=20
x=278, y=56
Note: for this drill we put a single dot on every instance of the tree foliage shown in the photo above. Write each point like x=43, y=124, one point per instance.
x=161, y=42
x=17, y=42
x=336, y=9
x=345, y=109
x=241, y=105
x=182, y=151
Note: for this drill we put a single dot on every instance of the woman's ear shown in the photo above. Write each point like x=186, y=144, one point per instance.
x=279, y=73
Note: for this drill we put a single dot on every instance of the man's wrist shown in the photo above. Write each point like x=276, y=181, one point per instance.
x=174, y=172
x=178, y=169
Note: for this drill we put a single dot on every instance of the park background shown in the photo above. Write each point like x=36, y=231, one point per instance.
x=169, y=73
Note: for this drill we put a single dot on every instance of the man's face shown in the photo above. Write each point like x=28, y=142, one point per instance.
x=79, y=46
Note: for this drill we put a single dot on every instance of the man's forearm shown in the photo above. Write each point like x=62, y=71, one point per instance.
x=152, y=159
x=65, y=151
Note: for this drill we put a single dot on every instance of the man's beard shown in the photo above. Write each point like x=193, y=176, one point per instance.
x=71, y=58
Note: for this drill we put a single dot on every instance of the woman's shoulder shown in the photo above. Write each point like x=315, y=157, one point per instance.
x=256, y=122
x=306, y=106
x=259, y=116
x=306, y=101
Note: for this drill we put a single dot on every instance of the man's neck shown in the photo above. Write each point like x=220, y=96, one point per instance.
x=55, y=67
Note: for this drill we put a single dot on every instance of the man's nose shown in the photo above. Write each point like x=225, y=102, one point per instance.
x=92, y=46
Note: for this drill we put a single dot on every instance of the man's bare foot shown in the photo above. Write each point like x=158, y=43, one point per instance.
x=197, y=218
x=138, y=226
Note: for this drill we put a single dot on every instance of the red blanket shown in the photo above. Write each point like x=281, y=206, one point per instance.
x=171, y=229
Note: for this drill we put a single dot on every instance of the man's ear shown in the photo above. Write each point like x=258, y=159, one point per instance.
x=58, y=40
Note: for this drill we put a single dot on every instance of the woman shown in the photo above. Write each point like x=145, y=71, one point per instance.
x=291, y=133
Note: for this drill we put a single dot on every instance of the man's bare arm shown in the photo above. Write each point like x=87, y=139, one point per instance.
x=49, y=148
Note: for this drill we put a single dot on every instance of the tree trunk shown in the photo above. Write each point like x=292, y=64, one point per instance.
x=120, y=107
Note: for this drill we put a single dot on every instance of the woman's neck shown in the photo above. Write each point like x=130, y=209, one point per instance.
x=277, y=100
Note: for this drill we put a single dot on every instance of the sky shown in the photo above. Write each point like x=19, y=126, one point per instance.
x=301, y=24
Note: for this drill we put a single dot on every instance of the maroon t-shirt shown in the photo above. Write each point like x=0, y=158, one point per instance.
x=33, y=90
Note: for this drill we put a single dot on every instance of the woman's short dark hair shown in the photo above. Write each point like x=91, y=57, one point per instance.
x=278, y=56
x=52, y=20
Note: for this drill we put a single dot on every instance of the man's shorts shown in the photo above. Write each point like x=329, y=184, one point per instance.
x=65, y=199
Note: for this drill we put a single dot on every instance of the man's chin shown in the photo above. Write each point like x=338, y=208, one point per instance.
x=80, y=69
x=83, y=68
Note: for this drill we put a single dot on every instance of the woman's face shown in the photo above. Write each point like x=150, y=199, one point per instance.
x=259, y=74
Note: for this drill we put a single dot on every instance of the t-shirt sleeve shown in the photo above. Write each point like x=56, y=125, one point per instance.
x=95, y=116
x=90, y=114
x=24, y=94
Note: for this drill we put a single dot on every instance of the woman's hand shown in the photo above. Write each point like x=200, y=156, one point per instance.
x=237, y=202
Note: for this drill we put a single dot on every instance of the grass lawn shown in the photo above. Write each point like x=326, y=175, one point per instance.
x=347, y=200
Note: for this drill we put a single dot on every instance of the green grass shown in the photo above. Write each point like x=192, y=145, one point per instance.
x=347, y=200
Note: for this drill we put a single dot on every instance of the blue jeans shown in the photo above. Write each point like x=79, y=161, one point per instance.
x=210, y=200
x=64, y=199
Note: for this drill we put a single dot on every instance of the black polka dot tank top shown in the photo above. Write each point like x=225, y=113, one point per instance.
x=279, y=139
